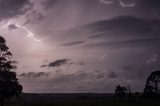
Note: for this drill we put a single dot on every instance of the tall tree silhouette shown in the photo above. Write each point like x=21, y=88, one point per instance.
x=152, y=87
x=120, y=91
x=9, y=84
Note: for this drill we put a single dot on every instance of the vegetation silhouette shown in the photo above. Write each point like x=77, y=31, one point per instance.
x=9, y=84
x=121, y=91
x=152, y=87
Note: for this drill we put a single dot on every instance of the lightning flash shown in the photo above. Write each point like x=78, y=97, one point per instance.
x=29, y=33
x=123, y=4
x=107, y=1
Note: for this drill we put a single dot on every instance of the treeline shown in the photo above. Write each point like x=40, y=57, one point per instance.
x=151, y=89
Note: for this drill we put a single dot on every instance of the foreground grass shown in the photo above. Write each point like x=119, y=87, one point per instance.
x=92, y=102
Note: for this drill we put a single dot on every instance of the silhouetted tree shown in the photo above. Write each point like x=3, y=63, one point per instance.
x=9, y=84
x=129, y=93
x=120, y=92
x=152, y=87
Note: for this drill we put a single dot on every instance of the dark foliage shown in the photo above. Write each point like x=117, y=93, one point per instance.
x=121, y=92
x=9, y=84
x=152, y=87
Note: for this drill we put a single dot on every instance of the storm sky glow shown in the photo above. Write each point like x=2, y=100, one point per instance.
x=67, y=46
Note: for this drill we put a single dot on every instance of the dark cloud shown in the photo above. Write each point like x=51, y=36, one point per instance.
x=48, y=4
x=61, y=62
x=70, y=44
x=123, y=31
x=123, y=23
x=58, y=63
x=117, y=29
x=148, y=6
x=34, y=74
x=95, y=36
x=128, y=43
x=42, y=66
x=155, y=4
x=12, y=8
x=112, y=75
x=12, y=26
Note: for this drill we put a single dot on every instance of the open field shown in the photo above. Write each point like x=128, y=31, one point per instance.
x=73, y=100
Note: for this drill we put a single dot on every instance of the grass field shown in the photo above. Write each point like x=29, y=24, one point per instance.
x=80, y=100
x=91, y=102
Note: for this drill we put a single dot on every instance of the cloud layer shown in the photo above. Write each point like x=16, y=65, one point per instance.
x=10, y=9
x=34, y=74
x=57, y=63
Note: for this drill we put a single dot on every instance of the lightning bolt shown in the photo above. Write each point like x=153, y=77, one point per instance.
x=126, y=5
x=122, y=3
x=107, y=1
x=29, y=33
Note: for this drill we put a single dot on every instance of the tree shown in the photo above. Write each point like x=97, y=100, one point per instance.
x=152, y=87
x=9, y=84
x=129, y=93
x=120, y=92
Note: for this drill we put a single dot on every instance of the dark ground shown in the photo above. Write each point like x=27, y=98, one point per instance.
x=88, y=99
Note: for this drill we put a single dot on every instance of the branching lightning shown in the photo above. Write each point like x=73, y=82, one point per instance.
x=29, y=33
x=122, y=3
x=126, y=5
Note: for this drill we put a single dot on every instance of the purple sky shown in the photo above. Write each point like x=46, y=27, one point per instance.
x=82, y=45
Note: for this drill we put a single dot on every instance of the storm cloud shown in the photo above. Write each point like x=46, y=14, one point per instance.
x=34, y=74
x=62, y=62
x=123, y=31
x=116, y=32
x=57, y=63
x=84, y=45
x=112, y=75
x=10, y=9
x=128, y=43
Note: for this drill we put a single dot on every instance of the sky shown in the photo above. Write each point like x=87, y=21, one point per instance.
x=81, y=46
